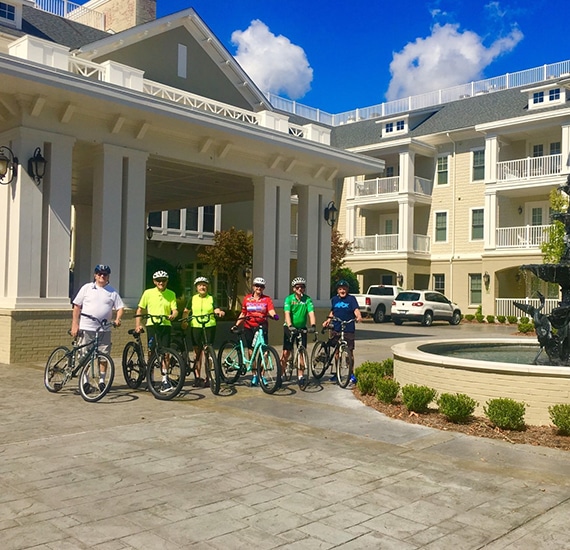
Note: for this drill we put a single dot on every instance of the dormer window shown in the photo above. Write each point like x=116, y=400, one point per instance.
x=538, y=97
x=389, y=127
x=554, y=95
x=394, y=126
x=545, y=95
x=7, y=12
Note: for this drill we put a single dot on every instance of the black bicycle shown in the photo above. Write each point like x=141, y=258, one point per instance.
x=165, y=370
x=95, y=369
x=324, y=353
x=298, y=358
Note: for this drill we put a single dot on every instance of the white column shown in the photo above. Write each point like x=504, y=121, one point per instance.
x=490, y=221
x=407, y=171
x=322, y=296
x=491, y=158
x=133, y=228
x=272, y=235
x=565, y=149
x=405, y=226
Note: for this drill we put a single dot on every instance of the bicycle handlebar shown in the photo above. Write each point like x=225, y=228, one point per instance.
x=102, y=322
x=202, y=319
x=342, y=323
x=160, y=318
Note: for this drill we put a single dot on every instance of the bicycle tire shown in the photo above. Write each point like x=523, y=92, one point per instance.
x=134, y=365
x=303, y=357
x=89, y=377
x=344, y=366
x=175, y=375
x=212, y=369
x=288, y=372
x=230, y=361
x=268, y=369
x=319, y=360
x=56, y=366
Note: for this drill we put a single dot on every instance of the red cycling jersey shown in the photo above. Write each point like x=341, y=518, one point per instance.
x=256, y=309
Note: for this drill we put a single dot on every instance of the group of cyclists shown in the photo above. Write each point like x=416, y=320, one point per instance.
x=100, y=300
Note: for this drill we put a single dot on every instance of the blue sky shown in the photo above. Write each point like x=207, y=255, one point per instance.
x=338, y=56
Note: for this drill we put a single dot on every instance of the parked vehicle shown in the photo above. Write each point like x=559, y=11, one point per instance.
x=425, y=307
x=377, y=302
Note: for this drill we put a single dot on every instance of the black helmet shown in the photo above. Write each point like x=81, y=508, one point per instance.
x=102, y=268
x=342, y=282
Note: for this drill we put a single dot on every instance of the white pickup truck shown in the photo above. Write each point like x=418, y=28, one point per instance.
x=377, y=302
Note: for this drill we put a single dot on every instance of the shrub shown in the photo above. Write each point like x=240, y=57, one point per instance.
x=417, y=398
x=479, y=310
x=525, y=327
x=456, y=407
x=505, y=413
x=387, y=389
x=479, y=317
x=469, y=317
x=512, y=319
x=560, y=416
x=501, y=319
x=490, y=319
x=373, y=367
x=524, y=320
x=388, y=365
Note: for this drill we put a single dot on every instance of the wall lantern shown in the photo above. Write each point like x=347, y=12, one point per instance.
x=520, y=209
x=487, y=279
x=330, y=213
x=400, y=279
x=37, y=166
x=8, y=165
x=149, y=233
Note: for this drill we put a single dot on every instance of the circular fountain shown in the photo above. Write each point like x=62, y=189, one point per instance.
x=537, y=374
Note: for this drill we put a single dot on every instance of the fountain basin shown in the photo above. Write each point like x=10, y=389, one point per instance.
x=539, y=386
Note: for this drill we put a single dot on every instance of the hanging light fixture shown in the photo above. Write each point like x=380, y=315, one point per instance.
x=8, y=165
x=330, y=213
x=37, y=166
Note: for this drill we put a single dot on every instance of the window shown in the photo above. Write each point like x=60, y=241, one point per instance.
x=173, y=220
x=389, y=127
x=7, y=12
x=390, y=172
x=538, y=97
x=554, y=95
x=478, y=165
x=389, y=227
x=555, y=148
x=442, y=170
x=400, y=126
x=209, y=216
x=537, y=150
x=192, y=219
x=441, y=227
x=477, y=218
x=182, y=60
x=536, y=216
x=475, y=288
x=439, y=282
x=155, y=219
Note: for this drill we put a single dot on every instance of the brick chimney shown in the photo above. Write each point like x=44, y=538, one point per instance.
x=124, y=14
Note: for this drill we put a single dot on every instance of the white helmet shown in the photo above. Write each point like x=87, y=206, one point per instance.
x=298, y=281
x=160, y=275
x=201, y=280
x=259, y=281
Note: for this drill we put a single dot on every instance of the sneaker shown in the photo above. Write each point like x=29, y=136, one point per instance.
x=264, y=380
x=254, y=380
x=352, y=379
x=101, y=386
x=87, y=387
x=302, y=381
x=166, y=387
x=333, y=378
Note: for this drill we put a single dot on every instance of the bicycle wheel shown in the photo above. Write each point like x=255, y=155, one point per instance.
x=268, y=369
x=165, y=374
x=212, y=369
x=91, y=385
x=134, y=366
x=302, y=363
x=55, y=372
x=288, y=372
x=319, y=360
x=344, y=366
x=230, y=361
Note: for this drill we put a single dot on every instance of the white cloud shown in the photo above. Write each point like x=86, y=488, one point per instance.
x=273, y=62
x=446, y=58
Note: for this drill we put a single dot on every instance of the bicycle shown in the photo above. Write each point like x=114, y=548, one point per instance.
x=298, y=357
x=83, y=361
x=264, y=361
x=212, y=365
x=323, y=354
x=165, y=370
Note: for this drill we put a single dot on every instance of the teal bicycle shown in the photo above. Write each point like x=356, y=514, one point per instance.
x=264, y=363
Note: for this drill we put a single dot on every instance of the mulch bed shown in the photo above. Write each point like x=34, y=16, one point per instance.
x=543, y=436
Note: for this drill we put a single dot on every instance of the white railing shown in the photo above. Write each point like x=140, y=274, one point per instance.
x=86, y=68
x=375, y=243
x=506, y=307
x=526, y=236
x=423, y=186
x=377, y=186
x=422, y=244
x=530, y=167
x=73, y=11
x=429, y=99
x=296, y=130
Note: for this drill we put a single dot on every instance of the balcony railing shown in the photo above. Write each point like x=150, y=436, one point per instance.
x=526, y=236
x=377, y=244
x=73, y=11
x=423, y=186
x=384, y=186
x=530, y=167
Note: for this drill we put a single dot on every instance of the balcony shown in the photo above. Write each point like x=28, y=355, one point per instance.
x=73, y=11
x=378, y=187
x=529, y=168
x=379, y=244
x=526, y=236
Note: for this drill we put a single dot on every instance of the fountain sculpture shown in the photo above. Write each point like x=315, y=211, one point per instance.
x=555, y=344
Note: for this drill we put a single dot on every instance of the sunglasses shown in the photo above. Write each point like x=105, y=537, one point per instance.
x=259, y=286
x=102, y=273
x=300, y=287
x=161, y=280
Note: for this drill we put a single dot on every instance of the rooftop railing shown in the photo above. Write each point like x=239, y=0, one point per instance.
x=73, y=11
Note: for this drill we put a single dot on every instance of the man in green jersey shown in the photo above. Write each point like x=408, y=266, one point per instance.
x=297, y=308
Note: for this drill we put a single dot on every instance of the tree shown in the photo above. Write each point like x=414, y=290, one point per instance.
x=231, y=254
x=553, y=248
x=339, y=248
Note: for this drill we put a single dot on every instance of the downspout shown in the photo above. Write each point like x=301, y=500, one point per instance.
x=453, y=217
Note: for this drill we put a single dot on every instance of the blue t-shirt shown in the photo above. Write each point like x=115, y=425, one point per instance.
x=343, y=308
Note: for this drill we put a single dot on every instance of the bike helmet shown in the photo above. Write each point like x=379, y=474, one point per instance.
x=259, y=281
x=160, y=275
x=342, y=282
x=201, y=280
x=102, y=268
x=298, y=281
